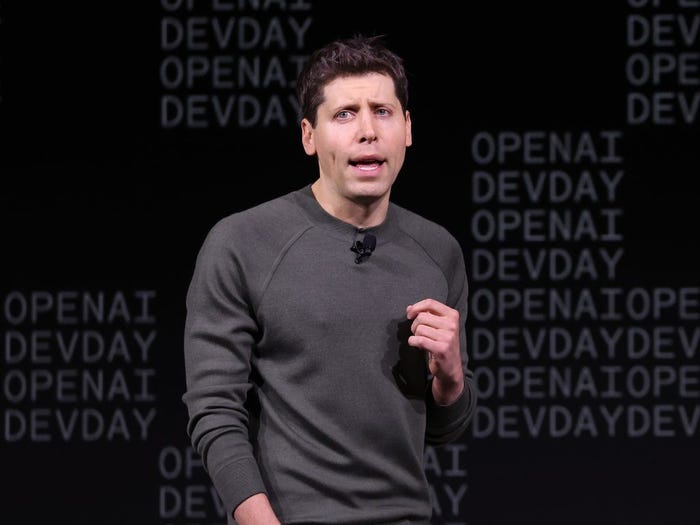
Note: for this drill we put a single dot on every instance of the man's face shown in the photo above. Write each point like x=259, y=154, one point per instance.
x=360, y=138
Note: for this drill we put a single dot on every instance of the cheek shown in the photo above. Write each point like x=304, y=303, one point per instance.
x=332, y=147
x=329, y=142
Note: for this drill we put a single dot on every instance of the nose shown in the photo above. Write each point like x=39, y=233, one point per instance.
x=367, y=130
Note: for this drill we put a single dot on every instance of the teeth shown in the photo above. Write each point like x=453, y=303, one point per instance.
x=365, y=162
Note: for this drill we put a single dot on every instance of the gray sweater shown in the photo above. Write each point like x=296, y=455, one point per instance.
x=300, y=382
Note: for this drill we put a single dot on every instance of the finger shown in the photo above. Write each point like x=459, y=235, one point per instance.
x=429, y=331
x=436, y=346
x=444, y=322
x=426, y=305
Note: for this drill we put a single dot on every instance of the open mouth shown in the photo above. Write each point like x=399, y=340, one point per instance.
x=367, y=163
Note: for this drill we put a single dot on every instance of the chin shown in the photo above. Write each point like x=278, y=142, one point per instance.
x=369, y=184
x=369, y=196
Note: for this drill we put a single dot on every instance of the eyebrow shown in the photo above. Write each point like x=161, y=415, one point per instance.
x=354, y=106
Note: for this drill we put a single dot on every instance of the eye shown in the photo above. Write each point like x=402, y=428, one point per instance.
x=383, y=112
x=343, y=115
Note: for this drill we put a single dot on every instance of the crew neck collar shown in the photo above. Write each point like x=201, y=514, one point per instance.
x=340, y=228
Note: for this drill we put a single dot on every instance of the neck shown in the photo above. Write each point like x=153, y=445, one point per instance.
x=361, y=213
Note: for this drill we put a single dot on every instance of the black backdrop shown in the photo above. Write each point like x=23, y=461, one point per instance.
x=569, y=127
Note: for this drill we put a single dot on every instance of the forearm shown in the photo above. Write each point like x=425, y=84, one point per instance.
x=446, y=422
x=447, y=391
x=256, y=510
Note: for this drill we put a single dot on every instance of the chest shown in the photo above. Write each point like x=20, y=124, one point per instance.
x=318, y=292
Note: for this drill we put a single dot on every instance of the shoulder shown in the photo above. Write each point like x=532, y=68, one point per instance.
x=265, y=220
x=264, y=228
x=440, y=246
x=434, y=238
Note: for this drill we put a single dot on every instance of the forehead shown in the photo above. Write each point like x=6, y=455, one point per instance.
x=377, y=87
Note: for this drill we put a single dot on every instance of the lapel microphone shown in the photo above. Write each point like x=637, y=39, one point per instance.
x=364, y=248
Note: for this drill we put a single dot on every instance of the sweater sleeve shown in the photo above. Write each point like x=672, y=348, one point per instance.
x=220, y=331
x=447, y=423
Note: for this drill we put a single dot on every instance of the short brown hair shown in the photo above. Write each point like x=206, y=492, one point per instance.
x=357, y=55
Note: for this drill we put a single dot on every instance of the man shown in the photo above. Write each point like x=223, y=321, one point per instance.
x=325, y=340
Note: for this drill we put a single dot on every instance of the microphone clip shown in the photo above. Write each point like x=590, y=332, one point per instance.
x=364, y=248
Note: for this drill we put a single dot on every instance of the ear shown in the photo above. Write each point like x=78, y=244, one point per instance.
x=409, y=137
x=307, y=137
